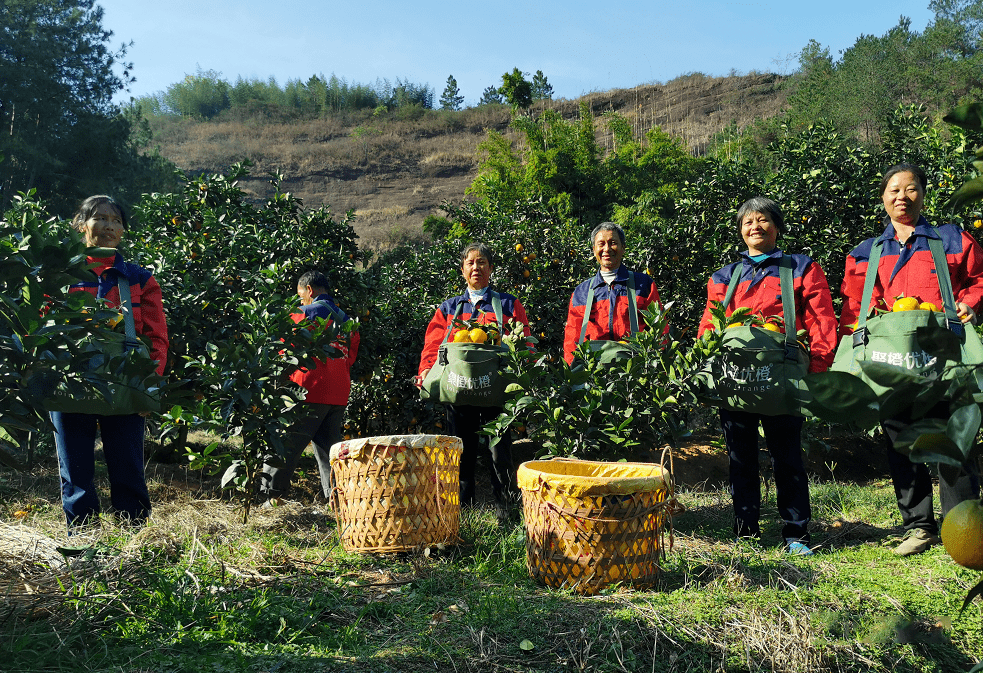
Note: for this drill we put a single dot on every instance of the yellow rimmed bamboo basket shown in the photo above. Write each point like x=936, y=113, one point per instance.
x=396, y=493
x=590, y=524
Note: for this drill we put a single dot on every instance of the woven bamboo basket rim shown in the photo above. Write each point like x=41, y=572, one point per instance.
x=592, y=478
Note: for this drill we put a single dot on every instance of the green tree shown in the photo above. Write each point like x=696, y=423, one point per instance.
x=202, y=95
x=541, y=88
x=491, y=96
x=451, y=99
x=58, y=75
x=516, y=89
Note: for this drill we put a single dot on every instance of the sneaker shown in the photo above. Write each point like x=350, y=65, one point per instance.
x=797, y=547
x=915, y=541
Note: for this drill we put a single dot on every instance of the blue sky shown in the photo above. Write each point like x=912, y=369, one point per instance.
x=580, y=46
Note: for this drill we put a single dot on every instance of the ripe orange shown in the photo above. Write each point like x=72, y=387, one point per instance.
x=525, y=273
x=978, y=223
x=478, y=335
x=518, y=247
x=927, y=306
x=962, y=534
x=462, y=336
x=772, y=327
x=905, y=304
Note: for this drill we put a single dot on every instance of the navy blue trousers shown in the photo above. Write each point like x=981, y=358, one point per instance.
x=783, y=437
x=122, y=445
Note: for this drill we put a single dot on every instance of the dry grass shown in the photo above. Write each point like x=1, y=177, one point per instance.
x=375, y=163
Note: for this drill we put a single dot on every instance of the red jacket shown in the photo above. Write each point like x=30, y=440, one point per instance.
x=909, y=270
x=760, y=290
x=145, y=296
x=443, y=317
x=602, y=324
x=330, y=381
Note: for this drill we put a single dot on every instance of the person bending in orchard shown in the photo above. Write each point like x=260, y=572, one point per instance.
x=609, y=316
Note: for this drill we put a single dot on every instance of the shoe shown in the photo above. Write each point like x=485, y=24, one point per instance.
x=915, y=541
x=797, y=547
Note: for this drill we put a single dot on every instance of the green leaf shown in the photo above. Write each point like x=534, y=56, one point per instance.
x=839, y=397
x=973, y=593
x=887, y=375
x=969, y=117
x=963, y=426
x=969, y=192
x=526, y=645
x=513, y=388
x=938, y=341
x=912, y=433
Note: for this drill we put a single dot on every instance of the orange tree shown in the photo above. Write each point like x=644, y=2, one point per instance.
x=228, y=270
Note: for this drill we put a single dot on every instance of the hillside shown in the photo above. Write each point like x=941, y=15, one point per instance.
x=394, y=171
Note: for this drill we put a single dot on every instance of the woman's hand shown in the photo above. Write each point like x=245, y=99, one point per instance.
x=965, y=313
x=418, y=381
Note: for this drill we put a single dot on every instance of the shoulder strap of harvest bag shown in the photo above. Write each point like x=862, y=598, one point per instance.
x=945, y=286
x=336, y=315
x=632, y=310
x=788, y=300
x=126, y=306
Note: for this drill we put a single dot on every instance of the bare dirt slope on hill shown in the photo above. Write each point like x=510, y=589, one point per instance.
x=394, y=172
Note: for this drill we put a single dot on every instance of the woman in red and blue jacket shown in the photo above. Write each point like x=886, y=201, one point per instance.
x=906, y=269
x=103, y=223
x=760, y=221
x=477, y=264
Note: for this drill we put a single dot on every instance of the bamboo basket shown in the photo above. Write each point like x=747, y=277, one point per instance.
x=592, y=524
x=396, y=493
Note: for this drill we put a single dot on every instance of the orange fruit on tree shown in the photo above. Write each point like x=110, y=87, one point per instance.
x=772, y=327
x=518, y=247
x=927, y=306
x=462, y=336
x=905, y=304
x=962, y=534
x=478, y=335
x=978, y=223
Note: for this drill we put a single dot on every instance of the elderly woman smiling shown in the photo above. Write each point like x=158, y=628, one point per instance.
x=477, y=266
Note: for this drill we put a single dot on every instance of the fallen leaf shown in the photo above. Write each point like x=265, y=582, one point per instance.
x=526, y=645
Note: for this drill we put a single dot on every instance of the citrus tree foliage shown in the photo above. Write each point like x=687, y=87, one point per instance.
x=228, y=270
x=600, y=411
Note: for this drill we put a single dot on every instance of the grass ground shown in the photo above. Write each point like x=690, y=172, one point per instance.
x=197, y=591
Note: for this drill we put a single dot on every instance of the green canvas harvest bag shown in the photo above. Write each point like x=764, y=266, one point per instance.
x=891, y=338
x=608, y=352
x=758, y=371
x=107, y=362
x=468, y=373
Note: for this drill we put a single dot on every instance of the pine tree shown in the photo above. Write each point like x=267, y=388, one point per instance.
x=491, y=96
x=451, y=99
x=541, y=89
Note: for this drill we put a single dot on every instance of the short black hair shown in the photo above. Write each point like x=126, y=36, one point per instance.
x=88, y=208
x=765, y=206
x=482, y=250
x=904, y=168
x=607, y=226
x=313, y=278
